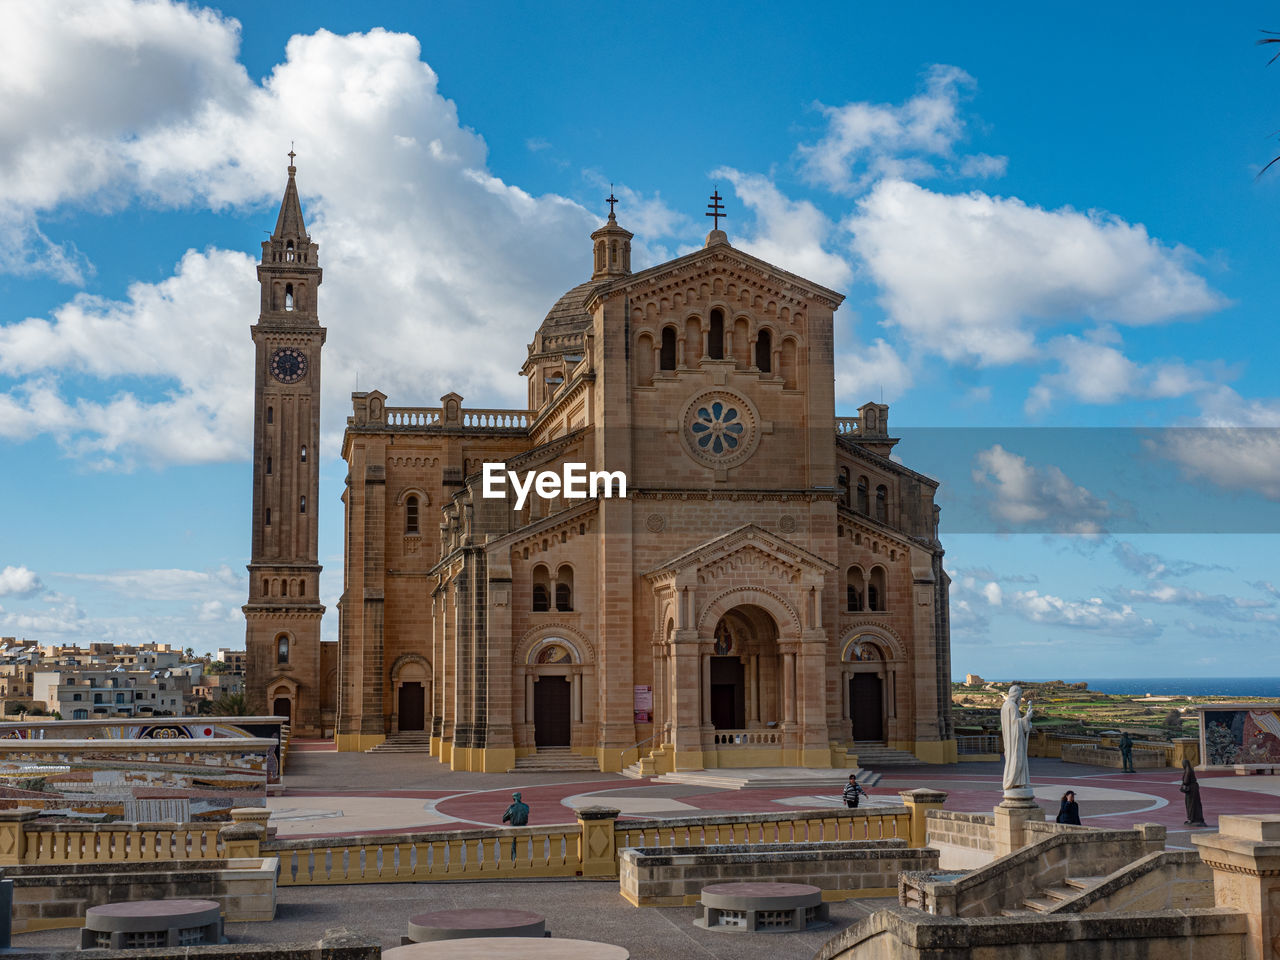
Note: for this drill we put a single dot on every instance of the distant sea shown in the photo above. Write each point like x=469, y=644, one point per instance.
x=1264, y=688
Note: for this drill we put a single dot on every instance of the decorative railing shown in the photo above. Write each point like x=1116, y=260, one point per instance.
x=132, y=842
x=812, y=826
x=496, y=419
x=747, y=738
x=413, y=416
x=848, y=426
x=470, y=419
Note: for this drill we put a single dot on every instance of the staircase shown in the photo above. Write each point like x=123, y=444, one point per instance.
x=878, y=755
x=1045, y=900
x=407, y=741
x=556, y=760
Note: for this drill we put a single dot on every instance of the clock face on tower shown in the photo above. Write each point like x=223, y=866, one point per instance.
x=288, y=365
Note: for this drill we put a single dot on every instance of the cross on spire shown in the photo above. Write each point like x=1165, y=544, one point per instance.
x=715, y=209
x=611, y=200
x=291, y=153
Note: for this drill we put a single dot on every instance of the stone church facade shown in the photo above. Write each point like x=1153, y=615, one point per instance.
x=769, y=591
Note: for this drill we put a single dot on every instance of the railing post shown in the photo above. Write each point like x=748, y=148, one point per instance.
x=597, y=851
x=242, y=838
x=13, y=837
x=920, y=801
x=1245, y=858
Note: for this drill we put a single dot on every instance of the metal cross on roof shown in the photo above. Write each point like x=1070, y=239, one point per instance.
x=611, y=200
x=715, y=209
x=291, y=153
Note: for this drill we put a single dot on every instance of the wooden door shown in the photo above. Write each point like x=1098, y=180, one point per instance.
x=412, y=707
x=866, y=706
x=551, y=712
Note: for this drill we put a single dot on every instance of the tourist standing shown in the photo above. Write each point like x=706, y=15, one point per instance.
x=853, y=791
x=1069, y=812
x=1191, y=795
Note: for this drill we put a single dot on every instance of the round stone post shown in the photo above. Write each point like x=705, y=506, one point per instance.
x=920, y=801
x=1245, y=858
x=597, y=852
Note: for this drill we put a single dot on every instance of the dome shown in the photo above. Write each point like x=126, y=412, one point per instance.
x=569, y=314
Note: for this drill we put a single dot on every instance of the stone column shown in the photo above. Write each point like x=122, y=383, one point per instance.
x=920, y=801
x=597, y=851
x=789, y=687
x=1011, y=814
x=242, y=840
x=1245, y=858
x=705, y=661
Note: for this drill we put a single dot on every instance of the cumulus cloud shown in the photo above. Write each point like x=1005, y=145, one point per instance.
x=1241, y=609
x=166, y=584
x=1234, y=444
x=19, y=582
x=1024, y=495
x=429, y=256
x=864, y=142
x=972, y=277
x=1093, y=614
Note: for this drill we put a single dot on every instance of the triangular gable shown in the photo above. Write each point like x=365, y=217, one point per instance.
x=748, y=540
x=721, y=255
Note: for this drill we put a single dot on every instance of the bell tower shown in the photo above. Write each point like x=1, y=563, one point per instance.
x=282, y=617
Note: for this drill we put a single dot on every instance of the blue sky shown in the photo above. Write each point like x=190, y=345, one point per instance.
x=1042, y=221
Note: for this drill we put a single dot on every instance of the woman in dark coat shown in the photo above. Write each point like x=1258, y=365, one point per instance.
x=1069, y=812
x=1191, y=795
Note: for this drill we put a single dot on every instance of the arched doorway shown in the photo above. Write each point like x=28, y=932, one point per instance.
x=282, y=707
x=552, y=697
x=869, y=674
x=411, y=681
x=742, y=670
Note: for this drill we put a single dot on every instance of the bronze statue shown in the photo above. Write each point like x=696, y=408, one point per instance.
x=1191, y=795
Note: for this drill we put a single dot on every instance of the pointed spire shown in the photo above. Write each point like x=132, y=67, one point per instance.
x=289, y=224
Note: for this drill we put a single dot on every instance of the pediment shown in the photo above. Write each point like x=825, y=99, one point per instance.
x=747, y=549
x=727, y=265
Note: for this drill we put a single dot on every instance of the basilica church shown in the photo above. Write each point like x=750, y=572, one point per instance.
x=768, y=592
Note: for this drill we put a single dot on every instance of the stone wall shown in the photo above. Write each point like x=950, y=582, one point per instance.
x=675, y=876
x=1103, y=756
x=338, y=944
x=1172, y=880
x=1004, y=883
x=51, y=896
x=900, y=933
x=97, y=779
x=964, y=841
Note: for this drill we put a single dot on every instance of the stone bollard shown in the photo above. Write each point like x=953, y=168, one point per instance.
x=13, y=836
x=1185, y=747
x=242, y=840
x=258, y=815
x=597, y=850
x=920, y=801
x=1245, y=858
x=1153, y=837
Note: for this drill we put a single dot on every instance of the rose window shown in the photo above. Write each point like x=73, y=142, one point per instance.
x=717, y=427
x=720, y=428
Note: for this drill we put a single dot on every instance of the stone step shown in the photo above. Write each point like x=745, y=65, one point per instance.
x=1039, y=904
x=1058, y=894
x=1016, y=912
x=1082, y=883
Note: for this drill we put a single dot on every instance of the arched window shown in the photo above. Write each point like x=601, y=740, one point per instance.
x=564, y=588
x=764, y=351
x=266, y=587
x=876, y=597
x=667, y=357
x=268, y=466
x=268, y=516
x=303, y=456
x=882, y=503
x=282, y=649
x=842, y=486
x=715, y=344
x=302, y=504
x=271, y=414
x=288, y=251
x=864, y=505
x=788, y=367
x=644, y=360
x=302, y=587
x=855, y=590
x=288, y=296
x=411, y=516
x=541, y=589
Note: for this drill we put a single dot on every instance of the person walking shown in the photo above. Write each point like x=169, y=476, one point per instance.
x=853, y=791
x=1069, y=812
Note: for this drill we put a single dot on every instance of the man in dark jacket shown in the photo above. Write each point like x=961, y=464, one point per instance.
x=853, y=791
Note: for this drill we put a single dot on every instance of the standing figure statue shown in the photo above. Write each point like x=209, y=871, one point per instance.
x=1191, y=795
x=1017, y=731
x=1126, y=753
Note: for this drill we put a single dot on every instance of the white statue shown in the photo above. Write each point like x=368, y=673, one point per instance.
x=1017, y=730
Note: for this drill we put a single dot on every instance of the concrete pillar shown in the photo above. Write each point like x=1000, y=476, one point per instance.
x=597, y=850
x=13, y=837
x=1245, y=858
x=920, y=801
x=1010, y=816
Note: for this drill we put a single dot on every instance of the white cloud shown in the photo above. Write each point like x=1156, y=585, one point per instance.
x=166, y=584
x=19, y=582
x=864, y=141
x=1093, y=372
x=1093, y=614
x=1041, y=497
x=789, y=233
x=1234, y=444
x=429, y=257
x=1242, y=609
x=972, y=277
x=863, y=370
x=1152, y=566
